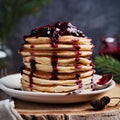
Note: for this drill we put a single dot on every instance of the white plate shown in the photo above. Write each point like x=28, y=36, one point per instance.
x=13, y=81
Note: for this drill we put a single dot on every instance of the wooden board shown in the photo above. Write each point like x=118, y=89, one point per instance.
x=77, y=111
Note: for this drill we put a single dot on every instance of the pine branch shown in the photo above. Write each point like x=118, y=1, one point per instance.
x=108, y=64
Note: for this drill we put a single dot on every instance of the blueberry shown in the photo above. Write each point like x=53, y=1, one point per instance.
x=80, y=33
x=77, y=76
x=33, y=33
x=46, y=32
x=75, y=34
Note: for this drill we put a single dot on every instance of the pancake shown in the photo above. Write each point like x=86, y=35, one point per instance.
x=61, y=53
x=60, y=47
x=61, y=76
x=54, y=86
x=63, y=82
x=61, y=69
x=57, y=58
x=61, y=61
x=63, y=39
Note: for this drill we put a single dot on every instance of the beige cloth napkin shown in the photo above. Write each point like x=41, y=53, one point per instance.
x=7, y=111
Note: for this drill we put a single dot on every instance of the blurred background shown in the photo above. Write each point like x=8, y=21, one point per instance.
x=98, y=19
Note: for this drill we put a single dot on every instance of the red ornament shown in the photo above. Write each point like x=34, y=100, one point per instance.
x=110, y=46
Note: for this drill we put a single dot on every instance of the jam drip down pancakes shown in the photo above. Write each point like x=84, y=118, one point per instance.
x=57, y=58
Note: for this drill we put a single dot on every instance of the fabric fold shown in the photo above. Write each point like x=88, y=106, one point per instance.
x=7, y=111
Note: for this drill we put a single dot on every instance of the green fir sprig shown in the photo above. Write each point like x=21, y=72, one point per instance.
x=108, y=64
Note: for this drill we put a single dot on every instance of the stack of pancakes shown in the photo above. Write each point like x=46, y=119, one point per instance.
x=57, y=58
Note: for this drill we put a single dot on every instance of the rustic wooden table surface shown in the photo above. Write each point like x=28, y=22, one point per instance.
x=77, y=111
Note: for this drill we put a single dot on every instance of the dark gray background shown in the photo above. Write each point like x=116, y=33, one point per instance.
x=95, y=18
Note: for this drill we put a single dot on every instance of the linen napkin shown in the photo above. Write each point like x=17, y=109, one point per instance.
x=7, y=111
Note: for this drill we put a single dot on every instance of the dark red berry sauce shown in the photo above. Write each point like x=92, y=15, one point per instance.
x=104, y=79
x=33, y=69
x=54, y=61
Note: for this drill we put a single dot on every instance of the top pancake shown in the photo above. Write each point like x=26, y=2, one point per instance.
x=63, y=39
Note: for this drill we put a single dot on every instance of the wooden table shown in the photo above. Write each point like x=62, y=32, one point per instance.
x=77, y=111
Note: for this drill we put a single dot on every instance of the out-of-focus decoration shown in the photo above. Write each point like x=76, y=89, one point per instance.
x=11, y=11
x=110, y=46
x=6, y=59
x=108, y=60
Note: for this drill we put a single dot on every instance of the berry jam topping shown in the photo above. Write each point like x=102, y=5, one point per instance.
x=77, y=59
x=77, y=47
x=54, y=61
x=61, y=28
x=32, y=64
x=104, y=79
x=78, y=82
x=33, y=69
x=55, y=31
x=80, y=86
x=32, y=46
x=33, y=33
x=77, y=76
